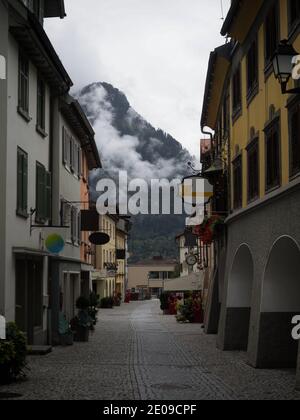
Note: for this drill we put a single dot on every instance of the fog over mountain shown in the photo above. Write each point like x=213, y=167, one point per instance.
x=126, y=141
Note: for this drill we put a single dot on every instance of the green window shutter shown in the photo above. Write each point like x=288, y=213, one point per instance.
x=79, y=227
x=22, y=183
x=48, y=195
x=40, y=193
x=25, y=184
x=64, y=142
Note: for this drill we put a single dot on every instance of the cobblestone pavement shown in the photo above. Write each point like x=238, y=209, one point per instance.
x=137, y=353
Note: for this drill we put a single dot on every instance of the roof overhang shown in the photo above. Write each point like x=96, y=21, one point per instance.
x=54, y=8
x=218, y=67
x=77, y=119
x=240, y=18
x=36, y=44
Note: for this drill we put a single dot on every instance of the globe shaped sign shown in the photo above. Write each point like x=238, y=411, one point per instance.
x=55, y=243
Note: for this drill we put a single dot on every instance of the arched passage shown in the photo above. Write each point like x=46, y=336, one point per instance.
x=239, y=296
x=280, y=303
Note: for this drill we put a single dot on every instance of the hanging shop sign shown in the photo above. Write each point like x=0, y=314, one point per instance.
x=54, y=238
x=99, y=238
x=89, y=220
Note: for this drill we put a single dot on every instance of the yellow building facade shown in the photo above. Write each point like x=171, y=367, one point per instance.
x=257, y=138
x=104, y=277
x=121, y=253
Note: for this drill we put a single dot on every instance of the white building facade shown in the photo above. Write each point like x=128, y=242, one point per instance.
x=42, y=131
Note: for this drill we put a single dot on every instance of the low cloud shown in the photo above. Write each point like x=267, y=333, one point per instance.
x=120, y=152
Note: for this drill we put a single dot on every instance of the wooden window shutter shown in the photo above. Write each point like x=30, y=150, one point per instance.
x=22, y=183
x=64, y=142
x=48, y=195
x=41, y=213
x=79, y=228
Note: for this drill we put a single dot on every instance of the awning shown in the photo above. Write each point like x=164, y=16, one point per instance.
x=193, y=282
x=30, y=252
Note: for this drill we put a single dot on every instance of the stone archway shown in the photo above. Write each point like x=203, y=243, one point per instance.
x=280, y=303
x=239, y=297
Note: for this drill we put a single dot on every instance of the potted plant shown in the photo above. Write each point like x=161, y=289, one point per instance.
x=117, y=299
x=164, y=303
x=81, y=324
x=66, y=334
x=93, y=309
x=107, y=303
x=186, y=312
x=13, y=352
x=7, y=354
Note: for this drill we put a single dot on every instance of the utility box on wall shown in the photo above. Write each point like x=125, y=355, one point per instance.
x=2, y=328
x=2, y=67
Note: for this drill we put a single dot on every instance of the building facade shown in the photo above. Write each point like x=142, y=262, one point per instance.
x=73, y=138
x=43, y=132
x=257, y=142
x=150, y=275
x=34, y=76
x=122, y=232
x=104, y=277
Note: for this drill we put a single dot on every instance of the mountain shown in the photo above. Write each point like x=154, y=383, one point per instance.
x=126, y=141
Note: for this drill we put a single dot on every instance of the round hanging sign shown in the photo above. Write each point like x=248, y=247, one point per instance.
x=99, y=238
x=55, y=243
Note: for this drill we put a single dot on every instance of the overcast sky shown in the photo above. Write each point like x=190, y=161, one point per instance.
x=155, y=51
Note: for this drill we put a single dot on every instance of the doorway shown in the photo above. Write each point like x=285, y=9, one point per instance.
x=29, y=296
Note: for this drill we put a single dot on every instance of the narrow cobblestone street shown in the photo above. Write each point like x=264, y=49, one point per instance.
x=136, y=353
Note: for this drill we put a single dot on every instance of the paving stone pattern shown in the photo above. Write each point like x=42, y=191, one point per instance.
x=137, y=353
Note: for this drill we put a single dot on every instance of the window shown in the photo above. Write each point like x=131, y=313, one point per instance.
x=236, y=92
x=66, y=147
x=237, y=183
x=74, y=225
x=71, y=152
x=66, y=216
x=22, y=183
x=253, y=170
x=294, y=13
x=294, y=123
x=226, y=115
x=271, y=33
x=70, y=217
x=43, y=194
x=252, y=69
x=272, y=156
x=41, y=104
x=23, y=84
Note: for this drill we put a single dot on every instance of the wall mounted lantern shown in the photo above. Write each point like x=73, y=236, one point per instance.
x=283, y=64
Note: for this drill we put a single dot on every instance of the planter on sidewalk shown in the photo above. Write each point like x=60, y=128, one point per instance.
x=67, y=340
x=82, y=334
x=5, y=375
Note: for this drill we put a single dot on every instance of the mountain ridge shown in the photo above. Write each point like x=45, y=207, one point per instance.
x=127, y=141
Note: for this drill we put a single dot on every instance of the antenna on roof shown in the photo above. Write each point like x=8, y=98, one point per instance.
x=222, y=10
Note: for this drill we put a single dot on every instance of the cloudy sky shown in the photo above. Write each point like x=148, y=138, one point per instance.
x=155, y=51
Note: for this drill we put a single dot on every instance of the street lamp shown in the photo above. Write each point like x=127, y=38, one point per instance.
x=283, y=65
x=195, y=190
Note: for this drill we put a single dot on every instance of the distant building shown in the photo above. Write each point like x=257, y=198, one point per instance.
x=151, y=274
